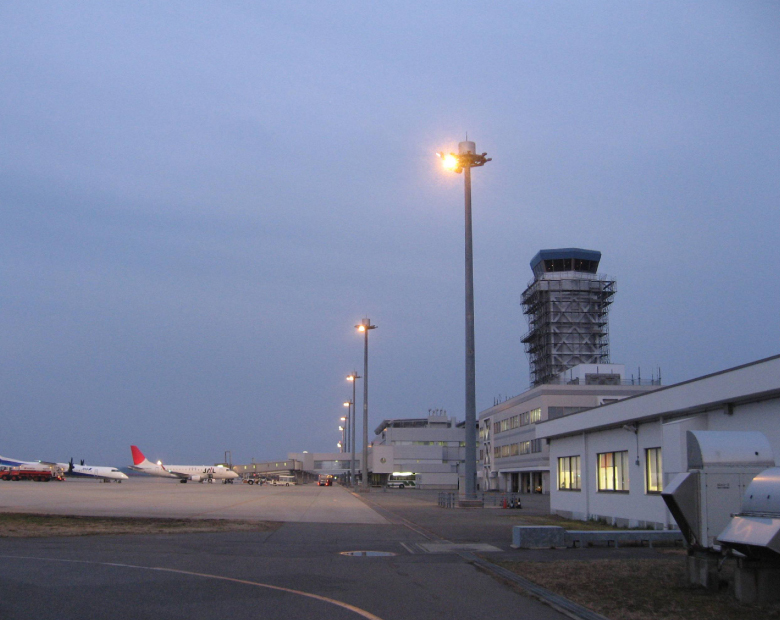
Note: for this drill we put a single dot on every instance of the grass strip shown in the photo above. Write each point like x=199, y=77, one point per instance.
x=637, y=589
x=25, y=525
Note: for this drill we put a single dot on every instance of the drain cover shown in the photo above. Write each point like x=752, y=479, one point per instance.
x=367, y=553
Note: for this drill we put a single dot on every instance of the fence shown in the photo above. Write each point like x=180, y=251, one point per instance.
x=447, y=500
x=502, y=500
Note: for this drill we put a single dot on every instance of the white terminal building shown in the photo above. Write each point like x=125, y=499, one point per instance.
x=512, y=456
x=432, y=449
x=428, y=451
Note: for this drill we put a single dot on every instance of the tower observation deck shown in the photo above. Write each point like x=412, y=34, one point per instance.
x=567, y=304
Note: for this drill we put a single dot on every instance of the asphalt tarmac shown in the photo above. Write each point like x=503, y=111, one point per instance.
x=297, y=571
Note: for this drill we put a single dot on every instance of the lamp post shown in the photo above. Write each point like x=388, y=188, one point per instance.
x=353, y=378
x=345, y=421
x=466, y=159
x=348, y=404
x=365, y=326
x=343, y=441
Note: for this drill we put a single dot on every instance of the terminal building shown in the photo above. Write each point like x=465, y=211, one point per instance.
x=429, y=451
x=567, y=304
x=432, y=449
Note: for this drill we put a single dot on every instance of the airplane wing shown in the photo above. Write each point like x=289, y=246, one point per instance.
x=180, y=476
x=4, y=460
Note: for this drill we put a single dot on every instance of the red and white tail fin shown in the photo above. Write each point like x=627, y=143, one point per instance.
x=138, y=457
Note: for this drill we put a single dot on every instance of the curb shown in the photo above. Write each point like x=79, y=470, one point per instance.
x=557, y=602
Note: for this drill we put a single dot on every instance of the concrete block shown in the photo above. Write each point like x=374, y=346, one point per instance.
x=537, y=536
x=756, y=583
x=578, y=538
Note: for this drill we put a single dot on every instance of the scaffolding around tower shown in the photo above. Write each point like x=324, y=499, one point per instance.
x=567, y=305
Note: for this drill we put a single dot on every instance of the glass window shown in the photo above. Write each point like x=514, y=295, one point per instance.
x=613, y=471
x=569, y=478
x=655, y=481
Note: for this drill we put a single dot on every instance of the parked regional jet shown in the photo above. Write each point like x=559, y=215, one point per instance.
x=103, y=473
x=184, y=473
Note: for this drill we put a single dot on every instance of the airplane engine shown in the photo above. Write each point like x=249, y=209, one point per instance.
x=196, y=478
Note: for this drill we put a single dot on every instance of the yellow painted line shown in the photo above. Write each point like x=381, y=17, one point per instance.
x=324, y=599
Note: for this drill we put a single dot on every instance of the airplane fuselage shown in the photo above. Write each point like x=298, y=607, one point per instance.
x=106, y=473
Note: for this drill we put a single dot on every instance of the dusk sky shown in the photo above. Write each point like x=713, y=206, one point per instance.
x=199, y=200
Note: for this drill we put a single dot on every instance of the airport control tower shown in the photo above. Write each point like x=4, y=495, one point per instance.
x=567, y=304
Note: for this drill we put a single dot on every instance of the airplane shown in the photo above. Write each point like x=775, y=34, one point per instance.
x=106, y=474
x=184, y=473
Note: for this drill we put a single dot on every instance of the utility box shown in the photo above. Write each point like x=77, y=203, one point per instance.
x=721, y=465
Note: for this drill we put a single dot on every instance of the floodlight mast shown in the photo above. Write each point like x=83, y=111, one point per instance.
x=353, y=378
x=466, y=159
x=365, y=327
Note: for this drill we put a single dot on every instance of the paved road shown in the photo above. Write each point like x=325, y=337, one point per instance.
x=297, y=571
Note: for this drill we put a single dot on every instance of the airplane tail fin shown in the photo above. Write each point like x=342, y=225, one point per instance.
x=138, y=456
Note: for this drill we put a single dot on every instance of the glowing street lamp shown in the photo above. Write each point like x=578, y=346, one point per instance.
x=353, y=379
x=466, y=159
x=365, y=327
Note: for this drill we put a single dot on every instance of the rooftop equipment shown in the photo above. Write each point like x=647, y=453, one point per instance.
x=755, y=530
x=721, y=466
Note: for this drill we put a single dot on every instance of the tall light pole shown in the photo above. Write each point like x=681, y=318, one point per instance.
x=365, y=327
x=345, y=421
x=466, y=159
x=353, y=378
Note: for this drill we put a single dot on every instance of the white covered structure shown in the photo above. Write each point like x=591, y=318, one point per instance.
x=612, y=462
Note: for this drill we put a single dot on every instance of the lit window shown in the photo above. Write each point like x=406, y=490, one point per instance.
x=569, y=473
x=613, y=471
x=655, y=481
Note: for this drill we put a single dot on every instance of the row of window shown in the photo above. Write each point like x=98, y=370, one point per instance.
x=516, y=421
x=613, y=471
x=450, y=444
x=515, y=449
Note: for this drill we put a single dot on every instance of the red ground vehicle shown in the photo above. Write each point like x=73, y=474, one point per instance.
x=22, y=473
x=324, y=481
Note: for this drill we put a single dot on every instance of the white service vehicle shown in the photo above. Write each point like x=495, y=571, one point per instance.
x=284, y=481
x=405, y=480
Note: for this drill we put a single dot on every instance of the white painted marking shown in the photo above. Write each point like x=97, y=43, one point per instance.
x=325, y=599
